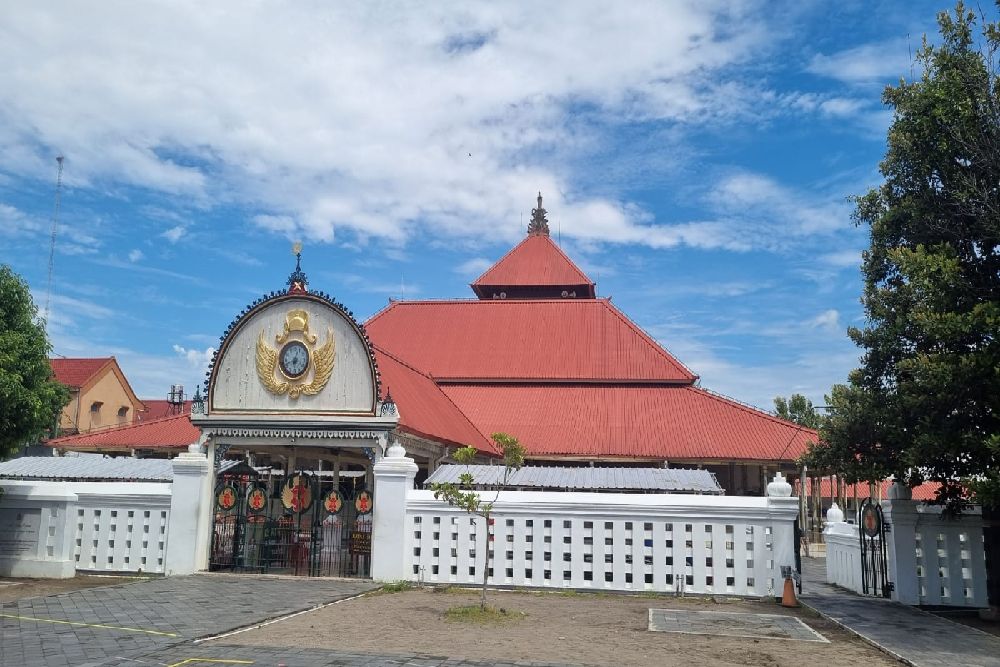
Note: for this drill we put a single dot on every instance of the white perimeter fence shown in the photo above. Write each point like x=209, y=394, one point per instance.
x=55, y=529
x=931, y=559
x=622, y=542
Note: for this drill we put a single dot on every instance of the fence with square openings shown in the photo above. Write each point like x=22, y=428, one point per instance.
x=121, y=529
x=624, y=542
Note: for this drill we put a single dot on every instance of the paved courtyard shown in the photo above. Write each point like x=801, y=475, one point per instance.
x=118, y=624
x=914, y=636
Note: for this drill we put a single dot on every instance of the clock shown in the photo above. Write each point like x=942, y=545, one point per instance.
x=293, y=359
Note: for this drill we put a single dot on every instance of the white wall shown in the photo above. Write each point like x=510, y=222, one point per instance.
x=931, y=559
x=55, y=529
x=628, y=542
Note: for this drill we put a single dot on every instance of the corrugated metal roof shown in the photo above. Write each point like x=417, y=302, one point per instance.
x=76, y=372
x=534, y=261
x=428, y=412
x=674, y=480
x=530, y=340
x=671, y=423
x=87, y=467
x=169, y=433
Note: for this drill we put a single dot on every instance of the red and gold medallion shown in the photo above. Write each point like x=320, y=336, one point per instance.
x=226, y=498
x=363, y=502
x=333, y=502
x=256, y=499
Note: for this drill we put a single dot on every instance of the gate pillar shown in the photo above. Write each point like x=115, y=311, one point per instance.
x=189, y=515
x=783, y=509
x=900, y=516
x=394, y=475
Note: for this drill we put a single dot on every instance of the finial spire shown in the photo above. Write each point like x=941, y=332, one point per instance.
x=297, y=281
x=539, y=225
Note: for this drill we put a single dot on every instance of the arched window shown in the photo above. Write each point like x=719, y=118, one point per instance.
x=122, y=414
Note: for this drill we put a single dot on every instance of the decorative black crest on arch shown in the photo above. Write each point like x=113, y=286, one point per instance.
x=295, y=290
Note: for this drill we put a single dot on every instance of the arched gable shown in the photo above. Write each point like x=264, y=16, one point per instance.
x=340, y=376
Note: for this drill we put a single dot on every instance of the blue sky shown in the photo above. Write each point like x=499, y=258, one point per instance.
x=695, y=157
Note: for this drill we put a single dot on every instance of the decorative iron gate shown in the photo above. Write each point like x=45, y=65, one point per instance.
x=300, y=524
x=872, y=529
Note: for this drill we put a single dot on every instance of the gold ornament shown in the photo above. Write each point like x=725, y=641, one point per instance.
x=296, y=334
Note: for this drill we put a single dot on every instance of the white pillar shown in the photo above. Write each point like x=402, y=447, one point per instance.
x=394, y=475
x=782, y=509
x=899, y=513
x=190, y=516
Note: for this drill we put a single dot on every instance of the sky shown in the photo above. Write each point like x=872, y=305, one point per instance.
x=696, y=160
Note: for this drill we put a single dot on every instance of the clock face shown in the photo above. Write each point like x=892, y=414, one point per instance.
x=294, y=359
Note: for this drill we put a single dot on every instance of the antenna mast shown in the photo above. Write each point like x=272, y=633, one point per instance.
x=52, y=239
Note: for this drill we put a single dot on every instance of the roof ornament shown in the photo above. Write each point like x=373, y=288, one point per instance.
x=297, y=281
x=539, y=225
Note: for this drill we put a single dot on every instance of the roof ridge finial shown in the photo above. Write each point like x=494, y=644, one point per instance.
x=297, y=281
x=539, y=225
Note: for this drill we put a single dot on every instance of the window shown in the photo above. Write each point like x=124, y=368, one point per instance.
x=122, y=414
x=96, y=406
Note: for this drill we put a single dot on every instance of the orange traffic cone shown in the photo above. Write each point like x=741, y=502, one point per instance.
x=788, y=595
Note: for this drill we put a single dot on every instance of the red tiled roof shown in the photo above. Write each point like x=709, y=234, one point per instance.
x=158, y=408
x=925, y=491
x=673, y=423
x=535, y=261
x=76, y=372
x=168, y=432
x=428, y=413
x=523, y=340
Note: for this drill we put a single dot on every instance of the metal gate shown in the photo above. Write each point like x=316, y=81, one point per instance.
x=872, y=529
x=300, y=524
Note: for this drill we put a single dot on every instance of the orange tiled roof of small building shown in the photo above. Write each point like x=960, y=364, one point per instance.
x=168, y=432
x=76, y=372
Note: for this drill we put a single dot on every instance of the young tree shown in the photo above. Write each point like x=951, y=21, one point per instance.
x=464, y=495
x=925, y=403
x=30, y=399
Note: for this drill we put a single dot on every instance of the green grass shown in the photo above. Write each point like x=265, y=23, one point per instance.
x=489, y=616
x=397, y=586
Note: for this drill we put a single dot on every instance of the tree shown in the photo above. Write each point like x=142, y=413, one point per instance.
x=925, y=403
x=464, y=495
x=30, y=399
x=798, y=409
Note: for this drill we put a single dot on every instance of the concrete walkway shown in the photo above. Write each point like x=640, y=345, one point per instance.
x=914, y=636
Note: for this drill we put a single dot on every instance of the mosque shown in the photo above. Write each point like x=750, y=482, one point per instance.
x=535, y=354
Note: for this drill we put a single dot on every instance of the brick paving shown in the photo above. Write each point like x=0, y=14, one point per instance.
x=914, y=636
x=147, y=616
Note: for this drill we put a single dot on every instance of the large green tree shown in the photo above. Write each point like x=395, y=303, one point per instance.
x=924, y=403
x=30, y=399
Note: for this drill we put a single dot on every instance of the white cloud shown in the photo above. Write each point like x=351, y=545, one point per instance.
x=135, y=255
x=842, y=259
x=323, y=118
x=474, y=267
x=881, y=62
x=828, y=319
x=174, y=234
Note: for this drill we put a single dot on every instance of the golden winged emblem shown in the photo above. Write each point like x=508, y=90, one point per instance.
x=285, y=369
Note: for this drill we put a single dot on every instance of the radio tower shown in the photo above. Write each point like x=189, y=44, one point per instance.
x=52, y=240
